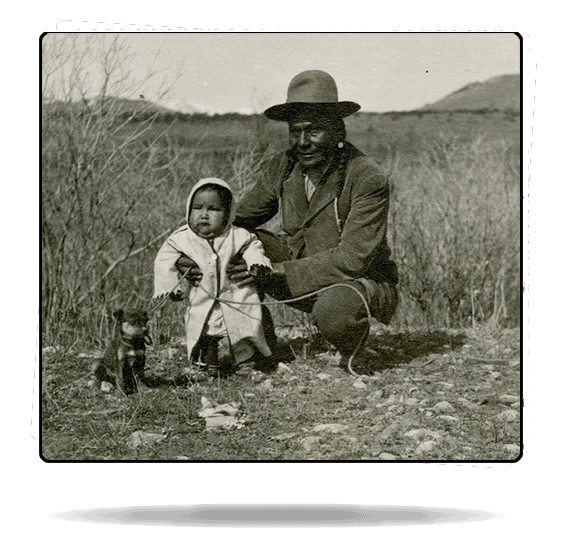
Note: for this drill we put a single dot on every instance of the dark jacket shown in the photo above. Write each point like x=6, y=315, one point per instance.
x=340, y=235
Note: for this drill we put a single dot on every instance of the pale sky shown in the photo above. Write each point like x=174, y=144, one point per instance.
x=248, y=72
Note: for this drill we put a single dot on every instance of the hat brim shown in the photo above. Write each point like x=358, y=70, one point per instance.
x=288, y=111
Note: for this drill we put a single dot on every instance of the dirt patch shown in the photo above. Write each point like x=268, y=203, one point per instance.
x=429, y=395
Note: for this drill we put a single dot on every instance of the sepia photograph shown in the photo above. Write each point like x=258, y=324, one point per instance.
x=281, y=247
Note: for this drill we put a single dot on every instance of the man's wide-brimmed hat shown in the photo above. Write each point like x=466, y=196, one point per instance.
x=311, y=91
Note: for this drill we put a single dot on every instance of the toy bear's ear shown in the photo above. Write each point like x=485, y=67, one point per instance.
x=118, y=314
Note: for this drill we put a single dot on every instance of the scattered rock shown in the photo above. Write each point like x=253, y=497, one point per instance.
x=141, y=438
x=266, y=385
x=309, y=441
x=377, y=395
x=467, y=404
x=423, y=434
x=387, y=456
x=449, y=419
x=323, y=376
x=376, y=453
x=49, y=350
x=425, y=447
x=330, y=427
x=446, y=385
x=516, y=405
x=443, y=407
x=389, y=431
x=282, y=368
x=106, y=387
x=257, y=376
x=495, y=375
x=512, y=448
x=411, y=401
x=393, y=399
x=359, y=384
x=508, y=415
x=514, y=363
x=182, y=458
x=509, y=399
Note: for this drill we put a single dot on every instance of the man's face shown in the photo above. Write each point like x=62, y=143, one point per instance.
x=207, y=216
x=314, y=141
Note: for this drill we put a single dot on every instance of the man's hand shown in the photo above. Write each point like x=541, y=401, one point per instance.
x=189, y=270
x=237, y=271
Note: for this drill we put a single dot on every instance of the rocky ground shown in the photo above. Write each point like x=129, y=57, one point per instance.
x=427, y=395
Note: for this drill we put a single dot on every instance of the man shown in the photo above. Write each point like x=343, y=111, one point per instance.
x=333, y=202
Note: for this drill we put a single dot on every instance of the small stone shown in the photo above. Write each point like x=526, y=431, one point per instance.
x=393, y=399
x=182, y=458
x=309, y=441
x=508, y=415
x=376, y=395
x=425, y=447
x=467, y=404
x=387, y=456
x=257, y=376
x=389, y=431
x=509, y=399
x=495, y=375
x=266, y=385
x=512, y=448
x=516, y=405
x=323, y=376
x=443, y=408
x=359, y=384
x=411, y=401
x=48, y=350
x=423, y=434
x=282, y=368
x=330, y=427
x=141, y=438
x=376, y=452
x=106, y=387
x=446, y=385
x=514, y=363
x=448, y=419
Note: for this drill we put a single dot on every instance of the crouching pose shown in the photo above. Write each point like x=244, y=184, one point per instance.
x=124, y=359
x=332, y=202
x=233, y=323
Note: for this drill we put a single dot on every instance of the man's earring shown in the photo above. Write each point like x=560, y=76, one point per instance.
x=340, y=145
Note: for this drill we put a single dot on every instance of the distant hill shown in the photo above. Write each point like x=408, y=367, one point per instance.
x=121, y=106
x=498, y=93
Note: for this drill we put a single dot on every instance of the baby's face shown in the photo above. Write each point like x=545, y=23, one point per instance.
x=207, y=216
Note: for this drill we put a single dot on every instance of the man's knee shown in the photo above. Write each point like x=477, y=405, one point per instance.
x=341, y=309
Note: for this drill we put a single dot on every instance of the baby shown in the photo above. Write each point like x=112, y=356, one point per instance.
x=210, y=240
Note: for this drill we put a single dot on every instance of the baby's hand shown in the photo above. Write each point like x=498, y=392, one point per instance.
x=189, y=270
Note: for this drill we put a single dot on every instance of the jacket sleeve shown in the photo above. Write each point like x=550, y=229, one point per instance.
x=165, y=271
x=261, y=202
x=253, y=252
x=362, y=241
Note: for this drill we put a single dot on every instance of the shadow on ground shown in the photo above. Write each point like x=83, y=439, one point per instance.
x=403, y=348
